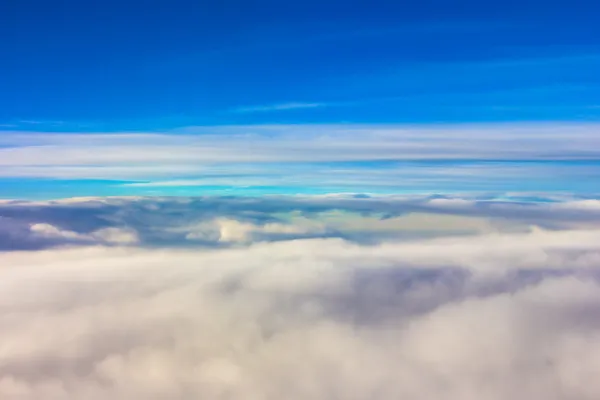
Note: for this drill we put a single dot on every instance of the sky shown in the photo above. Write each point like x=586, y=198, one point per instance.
x=268, y=199
x=294, y=73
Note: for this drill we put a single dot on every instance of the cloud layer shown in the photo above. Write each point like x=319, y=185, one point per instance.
x=307, y=159
x=231, y=221
x=286, y=298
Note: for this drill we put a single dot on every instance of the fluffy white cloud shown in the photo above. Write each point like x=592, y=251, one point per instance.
x=485, y=317
x=101, y=236
x=226, y=230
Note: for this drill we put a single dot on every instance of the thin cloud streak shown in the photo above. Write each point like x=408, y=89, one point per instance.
x=278, y=107
x=304, y=144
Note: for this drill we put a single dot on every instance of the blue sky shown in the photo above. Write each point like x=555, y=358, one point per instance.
x=229, y=68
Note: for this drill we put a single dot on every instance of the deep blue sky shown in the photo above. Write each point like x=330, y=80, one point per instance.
x=260, y=96
x=116, y=65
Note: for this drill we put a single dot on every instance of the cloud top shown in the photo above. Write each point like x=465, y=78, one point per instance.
x=323, y=297
x=497, y=317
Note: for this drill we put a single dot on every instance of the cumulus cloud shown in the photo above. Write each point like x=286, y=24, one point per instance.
x=101, y=236
x=233, y=231
x=231, y=221
x=490, y=316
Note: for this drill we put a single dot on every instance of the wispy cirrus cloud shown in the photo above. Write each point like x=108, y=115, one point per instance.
x=306, y=143
x=278, y=107
x=501, y=157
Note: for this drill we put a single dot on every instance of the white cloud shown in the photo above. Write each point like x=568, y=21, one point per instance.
x=278, y=107
x=228, y=230
x=110, y=235
x=485, y=317
x=194, y=152
x=115, y=236
x=49, y=231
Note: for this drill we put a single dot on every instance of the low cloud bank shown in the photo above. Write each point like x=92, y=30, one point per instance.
x=232, y=221
x=271, y=301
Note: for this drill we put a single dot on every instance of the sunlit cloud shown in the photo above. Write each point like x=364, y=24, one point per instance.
x=283, y=297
